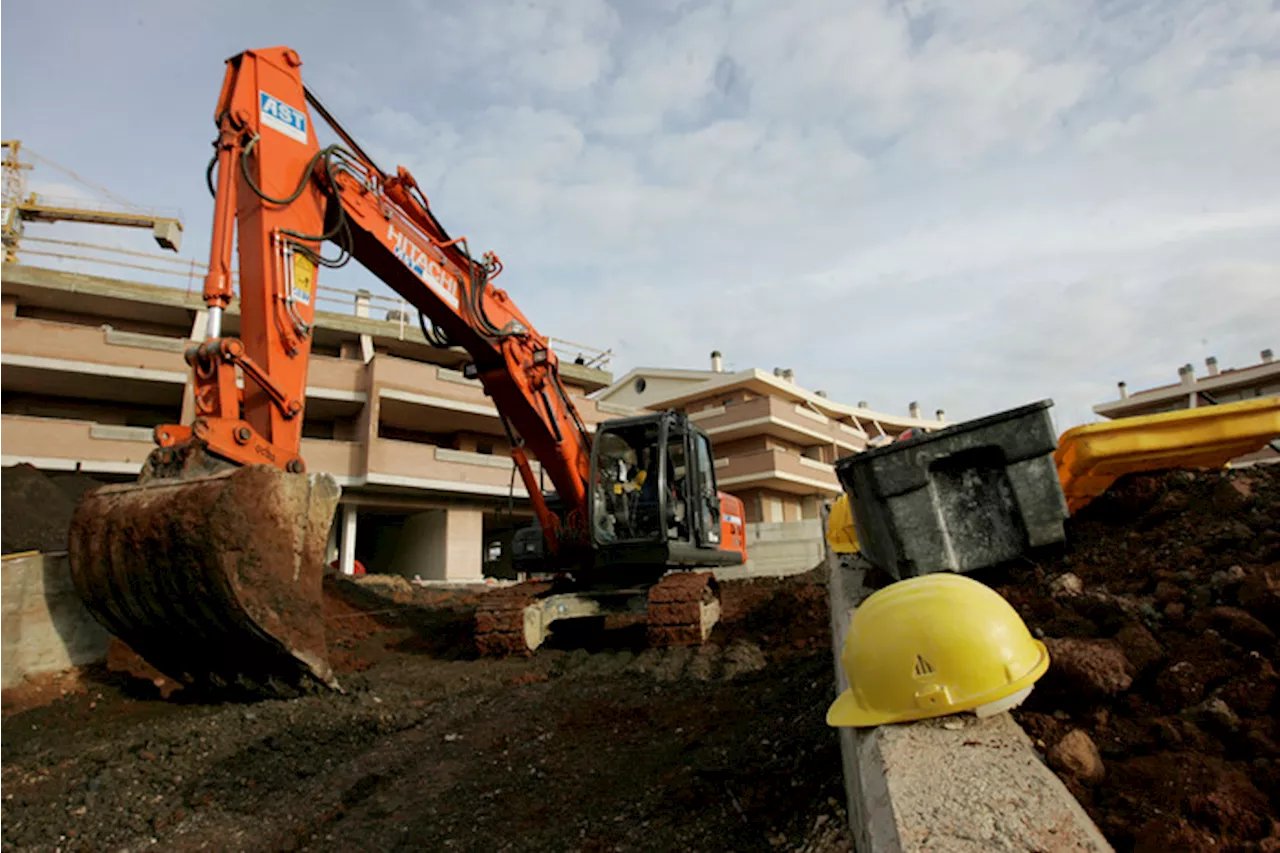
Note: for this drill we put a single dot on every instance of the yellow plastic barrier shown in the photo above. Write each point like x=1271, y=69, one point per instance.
x=841, y=534
x=1091, y=457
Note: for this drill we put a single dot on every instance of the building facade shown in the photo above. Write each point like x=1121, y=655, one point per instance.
x=1215, y=386
x=91, y=364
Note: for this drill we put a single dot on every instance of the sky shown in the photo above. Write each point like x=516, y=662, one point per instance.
x=970, y=205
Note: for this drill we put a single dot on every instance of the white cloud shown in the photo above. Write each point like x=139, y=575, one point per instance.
x=972, y=205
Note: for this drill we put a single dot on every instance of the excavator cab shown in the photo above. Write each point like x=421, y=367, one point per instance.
x=654, y=499
x=653, y=504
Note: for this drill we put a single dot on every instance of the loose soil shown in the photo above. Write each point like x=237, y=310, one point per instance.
x=38, y=508
x=594, y=743
x=1164, y=653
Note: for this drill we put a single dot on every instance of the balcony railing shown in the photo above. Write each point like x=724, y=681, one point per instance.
x=166, y=270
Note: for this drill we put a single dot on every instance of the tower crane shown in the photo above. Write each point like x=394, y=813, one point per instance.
x=21, y=207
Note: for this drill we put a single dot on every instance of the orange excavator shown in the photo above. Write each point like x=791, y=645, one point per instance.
x=210, y=566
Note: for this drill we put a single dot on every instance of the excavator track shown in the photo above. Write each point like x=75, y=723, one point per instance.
x=680, y=610
x=500, y=618
x=683, y=609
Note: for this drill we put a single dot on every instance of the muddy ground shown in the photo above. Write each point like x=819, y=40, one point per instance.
x=1160, y=709
x=593, y=744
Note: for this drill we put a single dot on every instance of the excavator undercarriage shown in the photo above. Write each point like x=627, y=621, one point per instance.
x=681, y=609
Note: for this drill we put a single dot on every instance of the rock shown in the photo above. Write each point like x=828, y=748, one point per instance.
x=1077, y=755
x=1168, y=833
x=1109, y=612
x=1236, y=533
x=1167, y=592
x=1227, y=578
x=1175, y=610
x=1090, y=667
x=1238, y=625
x=1180, y=685
x=1214, y=713
x=1234, y=494
x=1066, y=585
x=1140, y=646
x=1260, y=593
x=1164, y=732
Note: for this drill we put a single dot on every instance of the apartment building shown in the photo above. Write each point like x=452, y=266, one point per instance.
x=775, y=444
x=91, y=364
x=1215, y=386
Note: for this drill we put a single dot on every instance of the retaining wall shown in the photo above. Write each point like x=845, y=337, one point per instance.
x=779, y=548
x=45, y=626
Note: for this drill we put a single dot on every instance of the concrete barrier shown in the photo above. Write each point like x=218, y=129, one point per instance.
x=956, y=783
x=46, y=628
x=780, y=548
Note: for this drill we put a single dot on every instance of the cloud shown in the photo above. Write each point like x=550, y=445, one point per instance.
x=970, y=205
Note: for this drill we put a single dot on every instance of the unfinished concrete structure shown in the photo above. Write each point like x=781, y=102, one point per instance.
x=91, y=364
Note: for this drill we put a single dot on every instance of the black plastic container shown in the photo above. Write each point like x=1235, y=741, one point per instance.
x=963, y=498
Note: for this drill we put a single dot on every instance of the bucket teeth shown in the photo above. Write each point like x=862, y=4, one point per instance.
x=216, y=581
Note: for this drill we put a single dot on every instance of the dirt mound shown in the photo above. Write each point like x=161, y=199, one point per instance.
x=36, y=512
x=1161, y=614
x=780, y=614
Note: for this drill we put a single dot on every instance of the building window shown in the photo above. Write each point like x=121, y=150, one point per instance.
x=485, y=447
x=640, y=385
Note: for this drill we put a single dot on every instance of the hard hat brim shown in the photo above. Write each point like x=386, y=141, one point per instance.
x=847, y=711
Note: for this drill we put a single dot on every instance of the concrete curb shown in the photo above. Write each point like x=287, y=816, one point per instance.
x=952, y=784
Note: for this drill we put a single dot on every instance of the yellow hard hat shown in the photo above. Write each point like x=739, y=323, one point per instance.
x=841, y=534
x=934, y=645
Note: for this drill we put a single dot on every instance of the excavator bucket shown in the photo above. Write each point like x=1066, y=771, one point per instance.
x=214, y=580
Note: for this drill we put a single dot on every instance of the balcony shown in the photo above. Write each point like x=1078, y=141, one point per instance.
x=779, y=418
x=63, y=444
x=407, y=387
x=414, y=465
x=68, y=360
x=777, y=470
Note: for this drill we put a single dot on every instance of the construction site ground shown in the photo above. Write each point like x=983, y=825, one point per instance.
x=1160, y=712
x=595, y=743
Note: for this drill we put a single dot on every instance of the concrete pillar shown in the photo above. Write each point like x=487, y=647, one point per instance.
x=364, y=301
x=441, y=544
x=347, y=559
x=331, y=552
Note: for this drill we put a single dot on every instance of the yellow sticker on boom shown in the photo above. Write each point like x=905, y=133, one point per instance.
x=304, y=278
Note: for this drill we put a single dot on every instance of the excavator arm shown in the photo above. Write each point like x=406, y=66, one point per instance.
x=283, y=196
